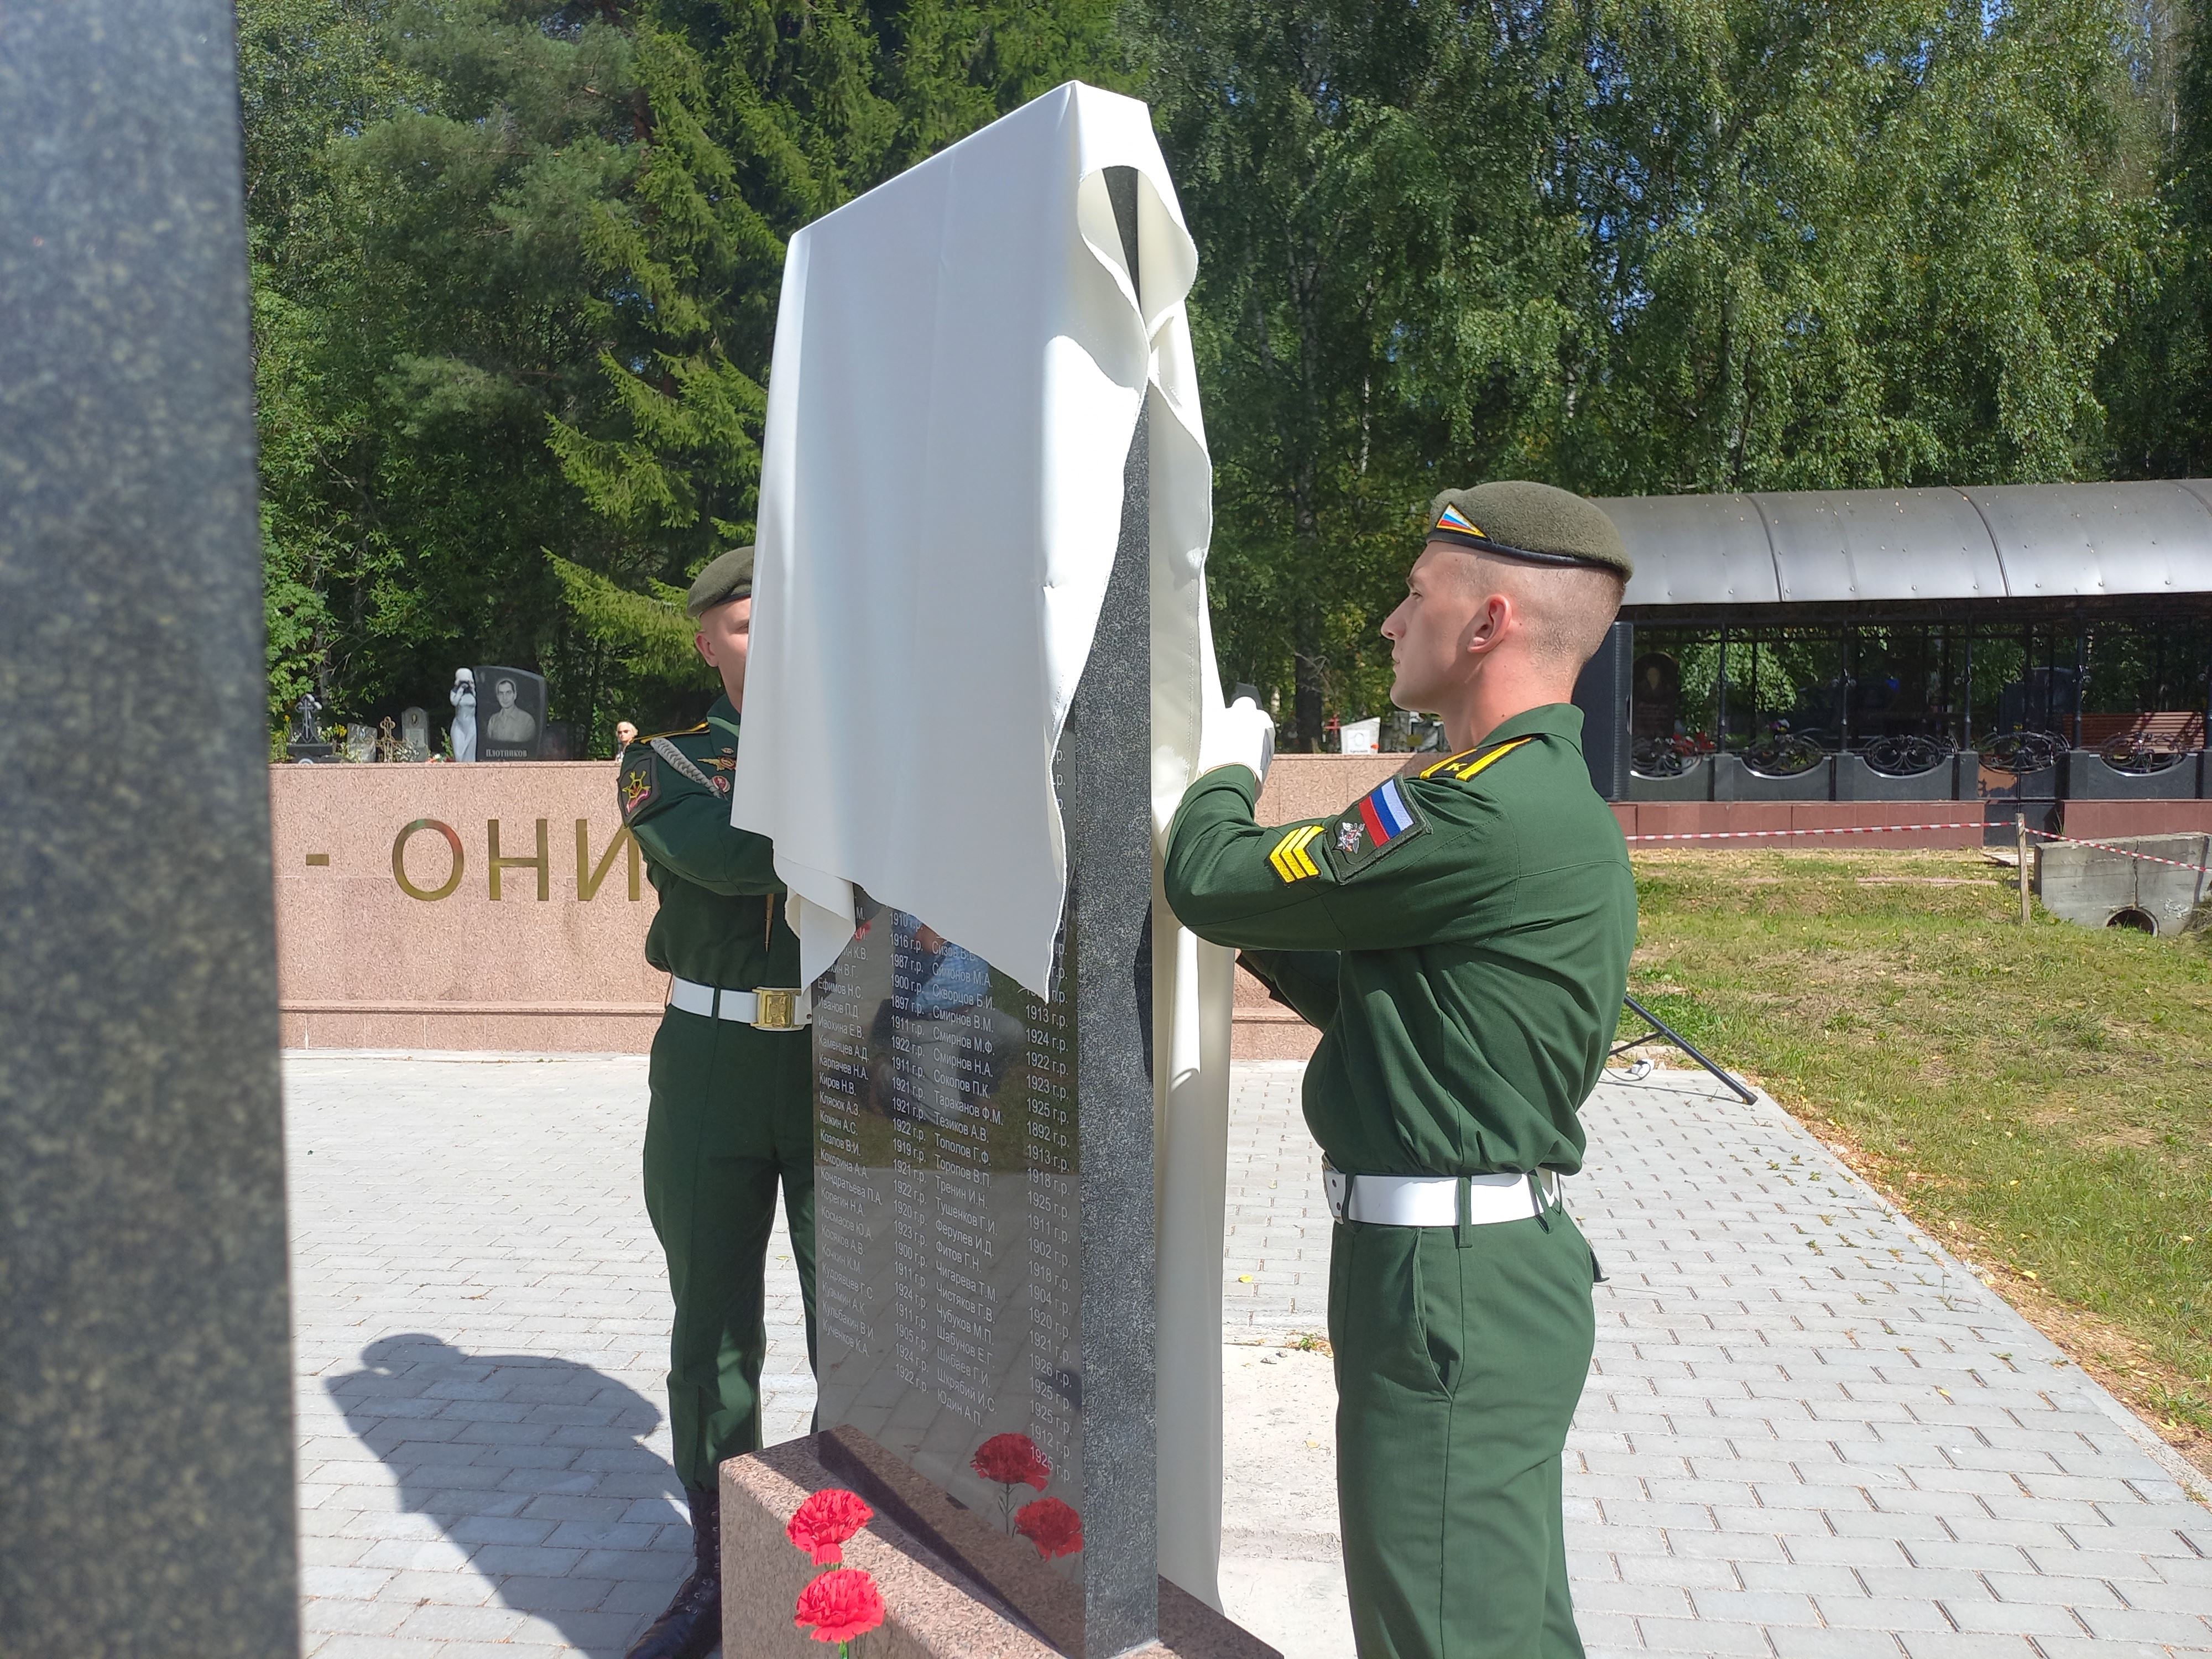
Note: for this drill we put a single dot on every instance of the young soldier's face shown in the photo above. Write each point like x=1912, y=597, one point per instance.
x=726, y=636
x=1432, y=630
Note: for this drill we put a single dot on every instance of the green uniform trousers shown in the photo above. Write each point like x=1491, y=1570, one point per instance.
x=732, y=1114
x=1460, y=1353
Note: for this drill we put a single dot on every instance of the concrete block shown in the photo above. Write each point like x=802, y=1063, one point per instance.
x=2098, y=888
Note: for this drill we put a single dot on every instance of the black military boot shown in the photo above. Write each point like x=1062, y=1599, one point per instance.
x=692, y=1626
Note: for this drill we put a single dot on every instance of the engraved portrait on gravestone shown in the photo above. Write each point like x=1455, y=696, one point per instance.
x=1657, y=699
x=507, y=724
x=414, y=734
x=511, y=719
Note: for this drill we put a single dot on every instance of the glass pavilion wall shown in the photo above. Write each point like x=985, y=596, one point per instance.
x=1735, y=682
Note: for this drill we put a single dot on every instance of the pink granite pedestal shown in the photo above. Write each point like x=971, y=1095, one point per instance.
x=932, y=1608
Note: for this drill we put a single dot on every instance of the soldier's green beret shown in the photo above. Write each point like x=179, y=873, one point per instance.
x=1531, y=521
x=730, y=576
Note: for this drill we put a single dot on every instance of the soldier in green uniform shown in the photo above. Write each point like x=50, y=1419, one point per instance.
x=732, y=1116
x=1461, y=936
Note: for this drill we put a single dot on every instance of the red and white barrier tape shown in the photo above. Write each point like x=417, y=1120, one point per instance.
x=1904, y=828
x=1847, y=829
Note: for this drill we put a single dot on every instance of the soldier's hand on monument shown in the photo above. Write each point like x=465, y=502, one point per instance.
x=1244, y=736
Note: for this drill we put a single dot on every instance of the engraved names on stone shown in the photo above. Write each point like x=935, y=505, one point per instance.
x=946, y=1219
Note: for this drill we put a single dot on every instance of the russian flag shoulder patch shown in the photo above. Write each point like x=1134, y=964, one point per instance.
x=1383, y=818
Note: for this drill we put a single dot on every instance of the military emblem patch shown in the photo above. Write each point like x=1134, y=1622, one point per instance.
x=1384, y=817
x=636, y=787
x=1453, y=518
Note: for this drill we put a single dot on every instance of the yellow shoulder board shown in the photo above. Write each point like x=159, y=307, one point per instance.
x=1465, y=764
x=680, y=732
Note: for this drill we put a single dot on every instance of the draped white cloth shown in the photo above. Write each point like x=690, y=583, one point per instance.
x=961, y=356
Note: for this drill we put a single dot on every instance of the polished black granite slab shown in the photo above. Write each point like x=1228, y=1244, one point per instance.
x=146, y=1438
x=984, y=1183
x=948, y=1222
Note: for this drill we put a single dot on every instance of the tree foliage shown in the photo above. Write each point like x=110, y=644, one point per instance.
x=516, y=266
x=1676, y=245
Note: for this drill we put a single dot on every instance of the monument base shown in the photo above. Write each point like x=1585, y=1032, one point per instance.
x=932, y=1608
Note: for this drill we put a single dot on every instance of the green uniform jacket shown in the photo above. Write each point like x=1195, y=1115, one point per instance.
x=720, y=921
x=1460, y=937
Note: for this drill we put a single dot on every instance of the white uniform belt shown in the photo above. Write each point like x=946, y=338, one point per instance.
x=768, y=1008
x=1435, y=1200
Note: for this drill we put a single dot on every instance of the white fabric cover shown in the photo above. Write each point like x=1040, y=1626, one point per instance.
x=960, y=360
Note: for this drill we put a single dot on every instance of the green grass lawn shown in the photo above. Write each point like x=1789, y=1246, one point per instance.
x=2040, y=1098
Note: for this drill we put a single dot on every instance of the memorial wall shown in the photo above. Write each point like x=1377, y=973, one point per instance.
x=503, y=906
x=481, y=906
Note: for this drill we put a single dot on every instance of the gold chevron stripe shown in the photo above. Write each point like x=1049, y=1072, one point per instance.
x=1291, y=861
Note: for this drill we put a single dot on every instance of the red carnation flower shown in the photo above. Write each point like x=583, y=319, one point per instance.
x=1012, y=1460
x=840, y=1605
x=825, y=1521
x=1052, y=1526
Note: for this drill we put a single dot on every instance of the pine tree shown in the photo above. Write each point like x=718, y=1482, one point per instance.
x=517, y=296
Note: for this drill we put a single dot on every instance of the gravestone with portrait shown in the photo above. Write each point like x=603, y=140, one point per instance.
x=510, y=713
x=1656, y=703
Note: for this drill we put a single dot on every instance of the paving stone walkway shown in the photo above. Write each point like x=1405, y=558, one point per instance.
x=1808, y=1431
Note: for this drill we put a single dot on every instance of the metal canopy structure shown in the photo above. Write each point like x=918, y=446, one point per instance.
x=1845, y=551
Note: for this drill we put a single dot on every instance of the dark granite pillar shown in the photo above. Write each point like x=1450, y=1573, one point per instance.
x=145, y=1390
x=1106, y=806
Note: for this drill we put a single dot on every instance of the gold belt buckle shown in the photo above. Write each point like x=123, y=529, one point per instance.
x=775, y=1010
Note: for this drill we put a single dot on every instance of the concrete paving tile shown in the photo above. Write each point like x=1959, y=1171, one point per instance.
x=328, y=1615
x=1762, y=1434
x=1891, y=1615
x=2010, y=1617
x=344, y=1583
x=2150, y=1625
x=434, y=1623
x=1955, y=1645
x=465, y=1590
x=1702, y=1636
x=544, y=1597
x=1749, y=1606
x=379, y=1647
x=1803, y=1641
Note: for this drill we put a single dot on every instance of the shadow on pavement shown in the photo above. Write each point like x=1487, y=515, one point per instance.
x=536, y=1470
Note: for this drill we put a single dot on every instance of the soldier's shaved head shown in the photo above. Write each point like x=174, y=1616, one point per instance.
x=1565, y=610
